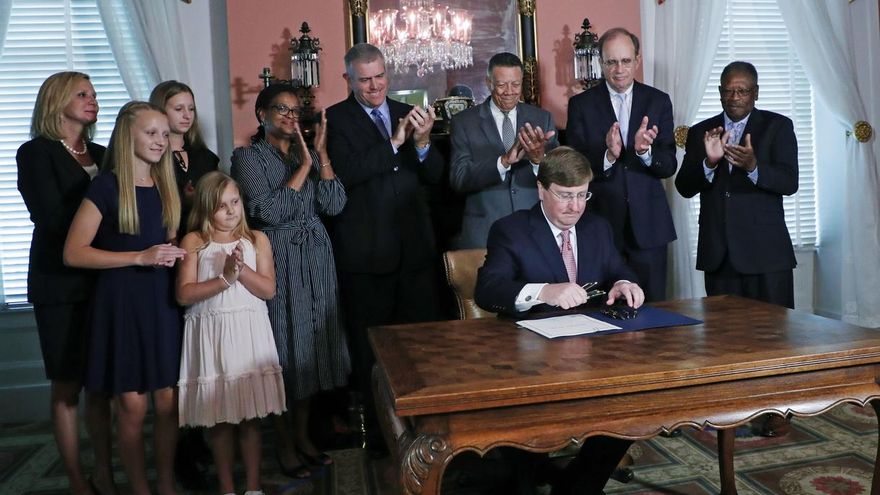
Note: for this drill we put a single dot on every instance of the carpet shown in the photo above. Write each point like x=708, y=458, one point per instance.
x=828, y=455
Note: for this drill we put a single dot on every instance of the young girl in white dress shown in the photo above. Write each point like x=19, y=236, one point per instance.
x=229, y=371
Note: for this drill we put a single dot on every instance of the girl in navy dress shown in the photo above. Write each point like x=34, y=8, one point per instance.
x=122, y=229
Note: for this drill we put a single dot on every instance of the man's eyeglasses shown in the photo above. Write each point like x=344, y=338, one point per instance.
x=285, y=110
x=624, y=62
x=738, y=92
x=567, y=197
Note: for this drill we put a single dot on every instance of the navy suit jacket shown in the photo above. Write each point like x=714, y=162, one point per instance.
x=737, y=217
x=476, y=146
x=521, y=249
x=628, y=191
x=385, y=225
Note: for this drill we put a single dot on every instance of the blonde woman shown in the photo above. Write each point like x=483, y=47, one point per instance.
x=122, y=229
x=54, y=172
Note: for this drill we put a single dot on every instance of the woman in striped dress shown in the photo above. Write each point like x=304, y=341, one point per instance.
x=285, y=187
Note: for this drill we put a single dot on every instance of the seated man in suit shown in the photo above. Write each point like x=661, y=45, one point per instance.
x=496, y=148
x=537, y=259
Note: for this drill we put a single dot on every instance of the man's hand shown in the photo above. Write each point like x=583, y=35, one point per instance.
x=741, y=156
x=645, y=136
x=533, y=141
x=422, y=121
x=403, y=131
x=513, y=155
x=714, y=140
x=566, y=295
x=626, y=290
x=613, y=142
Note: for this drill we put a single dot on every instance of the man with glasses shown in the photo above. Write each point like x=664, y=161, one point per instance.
x=383, y=240
x=741, y=162
x=542, y=259
x=496, y=148
x=625, y=129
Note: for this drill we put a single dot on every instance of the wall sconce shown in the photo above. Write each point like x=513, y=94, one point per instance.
x=304, y=62
x=586, y=56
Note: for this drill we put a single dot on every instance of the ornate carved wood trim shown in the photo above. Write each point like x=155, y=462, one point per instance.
x=418, y=458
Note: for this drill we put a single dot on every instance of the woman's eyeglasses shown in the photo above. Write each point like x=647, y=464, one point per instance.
x=285, y=110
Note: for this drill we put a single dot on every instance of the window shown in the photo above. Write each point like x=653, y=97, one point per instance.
x=44, y=37
x=754, y=31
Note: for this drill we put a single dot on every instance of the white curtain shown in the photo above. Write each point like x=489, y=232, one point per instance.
x=838, y=44
x=146, y=41
x=679, y=39
x=5, y=10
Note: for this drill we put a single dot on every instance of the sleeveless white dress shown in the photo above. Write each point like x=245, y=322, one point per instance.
x=229, y=369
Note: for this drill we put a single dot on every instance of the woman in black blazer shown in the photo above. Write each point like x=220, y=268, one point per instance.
x=192, y=159
x=54, y=171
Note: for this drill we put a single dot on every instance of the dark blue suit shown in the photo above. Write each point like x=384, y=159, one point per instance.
x=630, y=195
x=521, y=249
x=743, y=224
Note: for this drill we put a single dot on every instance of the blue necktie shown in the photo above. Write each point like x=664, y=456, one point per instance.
x=380, y=123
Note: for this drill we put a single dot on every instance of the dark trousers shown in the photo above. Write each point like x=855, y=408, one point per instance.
x=405, y=296
x=649, y=265
x=772, y=287
x=588, y=473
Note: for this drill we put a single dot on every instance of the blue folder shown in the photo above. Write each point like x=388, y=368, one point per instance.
x=647, y=318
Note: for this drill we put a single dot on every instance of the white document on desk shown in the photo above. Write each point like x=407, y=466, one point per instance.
x=566, y=326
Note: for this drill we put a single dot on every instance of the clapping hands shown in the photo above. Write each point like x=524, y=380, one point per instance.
x=234, y=264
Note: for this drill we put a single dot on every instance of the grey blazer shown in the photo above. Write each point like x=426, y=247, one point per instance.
x=476, y=146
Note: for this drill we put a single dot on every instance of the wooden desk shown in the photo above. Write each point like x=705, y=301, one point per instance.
x=447, y=387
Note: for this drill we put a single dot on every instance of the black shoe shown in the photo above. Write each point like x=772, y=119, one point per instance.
x=189, y=475
x=623, y=475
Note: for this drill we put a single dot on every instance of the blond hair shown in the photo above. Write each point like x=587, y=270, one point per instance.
x=55, y=93
x=119, y=158
x=166, y=90
x=207, y=198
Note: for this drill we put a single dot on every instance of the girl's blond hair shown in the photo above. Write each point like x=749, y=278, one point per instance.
x=209, y=193
x=166, y=90
x=119, y=158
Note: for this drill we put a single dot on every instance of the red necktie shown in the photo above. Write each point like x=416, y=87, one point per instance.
x=568, y=256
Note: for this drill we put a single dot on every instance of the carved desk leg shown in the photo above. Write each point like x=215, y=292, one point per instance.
x=875, y=483
x=725, y=460
x=422, y=463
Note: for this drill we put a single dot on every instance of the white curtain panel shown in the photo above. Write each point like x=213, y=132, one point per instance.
x=839, y=46
x=679, y=39
x=5, y=9
x=146, y=41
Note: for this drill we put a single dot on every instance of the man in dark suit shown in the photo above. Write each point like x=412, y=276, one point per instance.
x=537, y=259
x=625, y=129
x=741, y=162
x=383, y=240
x=496, y=148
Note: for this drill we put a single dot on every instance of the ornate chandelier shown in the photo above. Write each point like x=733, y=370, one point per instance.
x=423, y=35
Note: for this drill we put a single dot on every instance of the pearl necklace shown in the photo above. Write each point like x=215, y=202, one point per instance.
x=73, y=151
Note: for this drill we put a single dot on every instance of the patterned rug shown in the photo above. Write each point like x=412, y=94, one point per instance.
x=829, y=455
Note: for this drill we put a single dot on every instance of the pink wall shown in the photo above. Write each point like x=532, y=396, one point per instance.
x=258, y=38
x=558, y=22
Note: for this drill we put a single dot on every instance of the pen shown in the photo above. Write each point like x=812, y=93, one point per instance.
x=589, y=285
